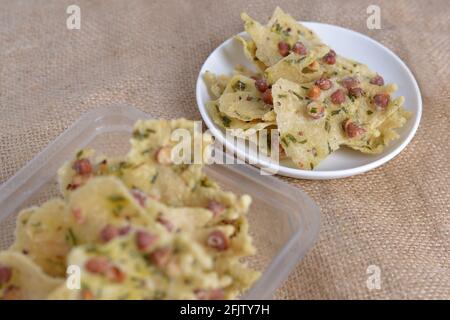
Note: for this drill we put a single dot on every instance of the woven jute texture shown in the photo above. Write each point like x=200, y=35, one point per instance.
x=148, y=54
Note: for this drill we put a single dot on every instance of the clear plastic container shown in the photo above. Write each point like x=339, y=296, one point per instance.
x=284, y=221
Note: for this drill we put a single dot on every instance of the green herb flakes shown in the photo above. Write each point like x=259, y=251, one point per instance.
x=226, y=121
x=138, y=135
x=327, y=125
x=297, y=95
x=239, y=86
x=117, y=210
x=71, y=238
x=291, y=137
x=79, y=154
x=116, y=198
x=206, y=183
x=335, y=112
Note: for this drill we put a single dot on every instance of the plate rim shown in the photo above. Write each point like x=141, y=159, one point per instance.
x=312, y=174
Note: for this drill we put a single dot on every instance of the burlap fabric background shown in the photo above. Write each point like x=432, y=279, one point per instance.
x=148, y=53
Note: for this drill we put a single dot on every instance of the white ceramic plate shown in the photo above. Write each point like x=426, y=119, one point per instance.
x=344, y=162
